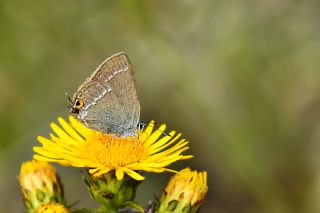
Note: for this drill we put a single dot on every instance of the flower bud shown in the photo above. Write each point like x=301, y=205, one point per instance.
x=185, y=192
x=52, y=208
x=40, y=184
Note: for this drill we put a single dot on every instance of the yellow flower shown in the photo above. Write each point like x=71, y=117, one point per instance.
x=52, y=208
x=40, y=184
x=78, y=146
x=185, y=192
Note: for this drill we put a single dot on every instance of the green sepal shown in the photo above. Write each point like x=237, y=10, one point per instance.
x=134, y=205
x=110, y=192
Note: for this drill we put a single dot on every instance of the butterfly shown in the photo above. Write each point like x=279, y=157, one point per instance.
x=108, y=101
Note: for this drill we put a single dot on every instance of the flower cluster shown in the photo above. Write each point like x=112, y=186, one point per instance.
x=114, y=164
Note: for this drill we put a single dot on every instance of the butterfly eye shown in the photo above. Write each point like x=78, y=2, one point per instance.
x=78, y=104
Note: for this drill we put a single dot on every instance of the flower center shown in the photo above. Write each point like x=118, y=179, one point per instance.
x=113, y=151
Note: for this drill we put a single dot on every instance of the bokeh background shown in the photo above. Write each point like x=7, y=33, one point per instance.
x=240, y=79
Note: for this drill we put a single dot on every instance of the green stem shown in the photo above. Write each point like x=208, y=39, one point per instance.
x=105, y=209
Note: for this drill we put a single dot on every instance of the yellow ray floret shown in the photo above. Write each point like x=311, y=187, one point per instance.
x=73, y=144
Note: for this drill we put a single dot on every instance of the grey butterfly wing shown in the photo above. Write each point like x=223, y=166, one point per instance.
x=111, y=103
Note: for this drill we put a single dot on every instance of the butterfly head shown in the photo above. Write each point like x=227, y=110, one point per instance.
x=76, y=104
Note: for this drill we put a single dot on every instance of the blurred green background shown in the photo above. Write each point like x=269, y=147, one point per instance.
x=240, y=79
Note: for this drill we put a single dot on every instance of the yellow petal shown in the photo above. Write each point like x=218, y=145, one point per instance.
x=133, y=174
x=70, y=130
x=119, y=173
